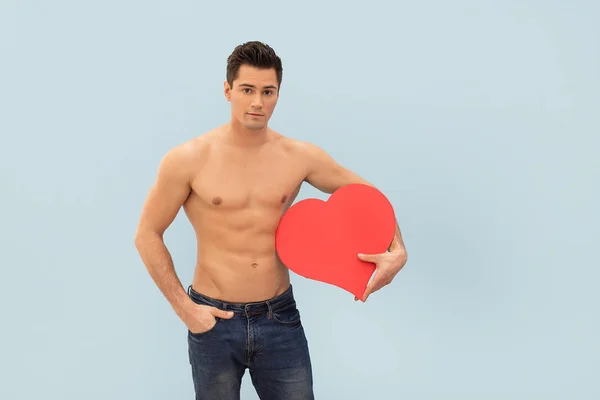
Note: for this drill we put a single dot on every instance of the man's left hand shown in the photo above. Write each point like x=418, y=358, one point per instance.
x=387, y=265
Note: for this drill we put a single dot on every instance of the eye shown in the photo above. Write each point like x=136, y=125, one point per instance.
x=268, y=92
x=246, y=90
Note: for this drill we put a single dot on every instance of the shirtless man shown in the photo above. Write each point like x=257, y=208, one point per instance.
x=234, y=183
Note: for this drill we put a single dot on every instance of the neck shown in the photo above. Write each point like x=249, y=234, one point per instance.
x=238, y=135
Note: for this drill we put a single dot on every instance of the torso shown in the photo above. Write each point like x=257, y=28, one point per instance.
x=237, y=199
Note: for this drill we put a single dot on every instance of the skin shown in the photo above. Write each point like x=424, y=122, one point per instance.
x=234, y=184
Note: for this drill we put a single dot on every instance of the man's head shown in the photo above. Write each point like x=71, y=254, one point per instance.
x=254, y=75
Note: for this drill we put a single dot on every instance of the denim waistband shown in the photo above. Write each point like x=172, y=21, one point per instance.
x=282, y=301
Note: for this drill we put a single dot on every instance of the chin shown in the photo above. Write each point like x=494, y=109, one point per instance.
x=255, y=127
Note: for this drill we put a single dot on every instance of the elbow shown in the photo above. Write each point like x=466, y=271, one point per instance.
x=143, y=237
x=137, y=241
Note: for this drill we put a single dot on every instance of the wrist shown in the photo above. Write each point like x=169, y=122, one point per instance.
x=400, y=255
x=181, y=305
x=400, y=250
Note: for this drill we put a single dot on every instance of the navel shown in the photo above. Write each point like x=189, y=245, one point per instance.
x=217, y=200
x=254, y=265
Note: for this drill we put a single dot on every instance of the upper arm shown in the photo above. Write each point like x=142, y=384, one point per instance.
x=325, y=173
x=169, y=191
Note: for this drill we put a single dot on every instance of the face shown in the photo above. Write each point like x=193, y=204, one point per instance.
x=253, y=96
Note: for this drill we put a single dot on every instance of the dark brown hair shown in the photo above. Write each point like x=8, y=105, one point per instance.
x=255, y=54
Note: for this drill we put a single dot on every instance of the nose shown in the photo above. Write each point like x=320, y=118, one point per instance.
x=257, y=101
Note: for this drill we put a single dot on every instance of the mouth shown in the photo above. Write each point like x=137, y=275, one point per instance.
x=255, y=115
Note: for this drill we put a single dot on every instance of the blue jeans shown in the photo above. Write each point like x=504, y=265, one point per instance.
x=267, y=338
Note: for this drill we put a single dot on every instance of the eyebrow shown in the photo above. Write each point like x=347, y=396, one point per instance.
x=254, y=87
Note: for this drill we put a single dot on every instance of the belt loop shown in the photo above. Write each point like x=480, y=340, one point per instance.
x=270, y=312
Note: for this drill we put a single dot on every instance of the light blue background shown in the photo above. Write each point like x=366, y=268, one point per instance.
x=478, y=119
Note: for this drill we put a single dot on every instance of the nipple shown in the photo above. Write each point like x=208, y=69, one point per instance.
x=217, y=200
x=283, y=199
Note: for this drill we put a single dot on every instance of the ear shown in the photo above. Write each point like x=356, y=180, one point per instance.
x=227, y=90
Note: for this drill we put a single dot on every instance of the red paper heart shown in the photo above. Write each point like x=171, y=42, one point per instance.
x=321, y=240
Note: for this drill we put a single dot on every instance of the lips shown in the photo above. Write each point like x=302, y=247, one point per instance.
x=255, y=115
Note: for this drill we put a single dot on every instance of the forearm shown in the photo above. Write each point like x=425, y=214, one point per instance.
x=159, y=263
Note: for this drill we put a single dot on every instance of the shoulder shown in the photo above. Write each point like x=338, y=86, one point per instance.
x=193, y=150
x=306, y=150
x=184, y=158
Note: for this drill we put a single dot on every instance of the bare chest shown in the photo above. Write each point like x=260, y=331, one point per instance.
x=248, y=182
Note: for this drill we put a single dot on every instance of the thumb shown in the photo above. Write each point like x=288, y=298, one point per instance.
x=221, y=313
x=367, y=257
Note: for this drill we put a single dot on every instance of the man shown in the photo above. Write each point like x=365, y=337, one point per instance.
x=234, y=183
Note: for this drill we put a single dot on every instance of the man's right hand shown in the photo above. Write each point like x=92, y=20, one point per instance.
x=200, y=318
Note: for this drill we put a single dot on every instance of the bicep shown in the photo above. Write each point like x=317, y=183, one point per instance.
x=326, y=174
x=166, y=196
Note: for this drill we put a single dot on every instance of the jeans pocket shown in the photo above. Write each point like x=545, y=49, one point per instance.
x=209, y=330
x=289, y=315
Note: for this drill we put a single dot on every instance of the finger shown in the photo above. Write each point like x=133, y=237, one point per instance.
x=221, y=313
x=368, y=257
x=367, y=293
x=369, y=288
x=373, y=286
x=382, y=281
